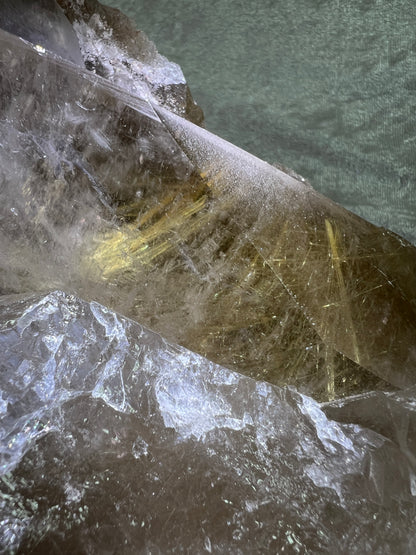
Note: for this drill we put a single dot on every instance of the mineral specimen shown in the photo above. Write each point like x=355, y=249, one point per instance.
x=114, y=49
x=103, y=190
x=115, y=439
x=43, y=23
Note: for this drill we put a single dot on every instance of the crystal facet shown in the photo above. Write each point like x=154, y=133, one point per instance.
x=114, y=438
x=121, y=441
x=103, y=190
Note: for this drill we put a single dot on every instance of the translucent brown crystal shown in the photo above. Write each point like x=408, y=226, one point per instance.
x=203, y=242
x=119, y=214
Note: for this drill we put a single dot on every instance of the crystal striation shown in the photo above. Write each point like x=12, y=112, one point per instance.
x=116, y=439
x=102, y=190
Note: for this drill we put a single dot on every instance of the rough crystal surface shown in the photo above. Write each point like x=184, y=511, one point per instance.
x=114, y=49
x=42, y=23
x=102, y=190
x=113, y=438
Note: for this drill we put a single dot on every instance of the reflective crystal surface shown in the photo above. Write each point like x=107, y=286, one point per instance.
x=115, y=439
x=43, y=23
x=103, y=191
x=112, y=47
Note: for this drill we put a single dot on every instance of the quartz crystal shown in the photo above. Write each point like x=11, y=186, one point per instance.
x=118, y=199
x=112, y=47
x=116, y=439
x=43, y=23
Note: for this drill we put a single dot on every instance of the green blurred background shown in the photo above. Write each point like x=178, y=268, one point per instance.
x=327, y=88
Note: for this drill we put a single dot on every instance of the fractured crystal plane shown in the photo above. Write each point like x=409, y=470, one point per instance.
x=269, y=299
x=112, y=47
x=275, y=280
x=113, y=439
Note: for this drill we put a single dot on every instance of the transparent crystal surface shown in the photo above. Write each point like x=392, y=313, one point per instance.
x=43, y=23
x=63, y=131
x=391, y=414
x=112, y=47
x=120, y=200
x=114, y=439
x=117, y=439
